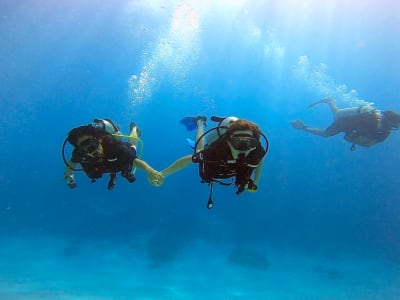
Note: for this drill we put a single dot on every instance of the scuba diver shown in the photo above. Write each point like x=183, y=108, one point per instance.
x=230, y=150
x=99, y=149
x=364, y=125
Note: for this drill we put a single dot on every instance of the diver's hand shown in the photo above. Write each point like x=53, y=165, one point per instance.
x=298, y=124
x=70, y=180
x=155, y=178
x=251, y=186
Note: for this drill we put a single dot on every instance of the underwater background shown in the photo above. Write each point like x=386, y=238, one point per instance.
x=325, y=221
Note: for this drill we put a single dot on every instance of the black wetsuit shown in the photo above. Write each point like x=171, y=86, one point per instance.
x=118, y=157
x=218, y=163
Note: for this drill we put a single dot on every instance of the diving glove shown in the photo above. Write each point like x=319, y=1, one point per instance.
x=70, y=180
x=129, y=176
x=251, y=187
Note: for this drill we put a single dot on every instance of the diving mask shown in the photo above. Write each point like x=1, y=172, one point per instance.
x=89, y=145
x=243, y=141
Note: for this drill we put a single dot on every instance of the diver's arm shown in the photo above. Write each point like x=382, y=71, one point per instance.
x=69, y=176
x=177, y=165
x=71, y=165
x=317, y=131
x=257, y=173
x=153, y=176
x=330, y=131
x=144, y=166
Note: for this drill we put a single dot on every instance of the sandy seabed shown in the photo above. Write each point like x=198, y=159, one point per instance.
x=53, y=268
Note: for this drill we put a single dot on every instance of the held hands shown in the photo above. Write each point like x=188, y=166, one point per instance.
x=298, y=124
x=155, y=178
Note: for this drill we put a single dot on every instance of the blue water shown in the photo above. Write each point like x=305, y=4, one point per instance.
x=324, y=223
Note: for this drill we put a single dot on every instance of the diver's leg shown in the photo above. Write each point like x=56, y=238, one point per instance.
x=134, y=134
x=328, y=101
x=332, y=105
x=317, y=131
x=199, y=134
x=330, y=131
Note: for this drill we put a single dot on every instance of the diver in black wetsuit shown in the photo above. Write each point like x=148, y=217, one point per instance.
x=99, y=149
x=233, y=150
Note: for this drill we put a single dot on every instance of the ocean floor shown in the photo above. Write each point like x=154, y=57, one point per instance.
x=51, y=268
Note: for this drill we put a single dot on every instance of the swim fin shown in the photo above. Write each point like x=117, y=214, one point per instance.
x=191, y=122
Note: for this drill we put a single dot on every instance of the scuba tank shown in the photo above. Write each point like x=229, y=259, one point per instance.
x=223, y=124
x=108, y=126
x=354, y=111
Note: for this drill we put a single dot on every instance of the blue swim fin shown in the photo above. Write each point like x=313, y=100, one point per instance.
x=189, y=122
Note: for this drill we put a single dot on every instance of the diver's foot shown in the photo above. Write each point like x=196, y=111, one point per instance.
x=138, y=131
x=191, y=122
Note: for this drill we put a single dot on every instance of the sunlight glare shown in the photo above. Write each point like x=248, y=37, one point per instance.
x=174, y=55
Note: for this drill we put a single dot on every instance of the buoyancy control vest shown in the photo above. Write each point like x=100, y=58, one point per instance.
x=354, y=111
x=216, y=162
x=118, y=157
